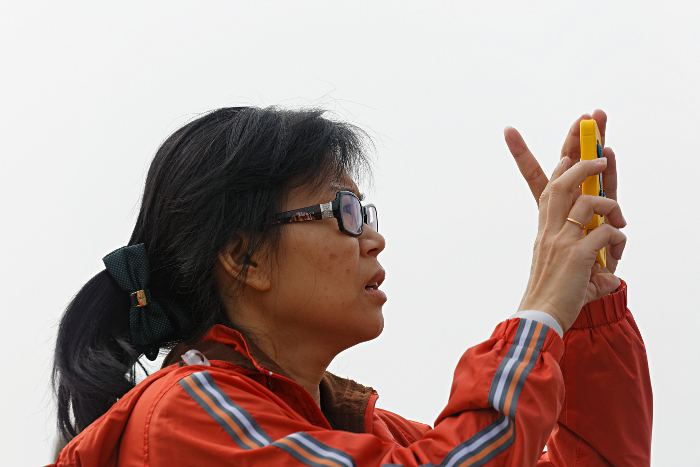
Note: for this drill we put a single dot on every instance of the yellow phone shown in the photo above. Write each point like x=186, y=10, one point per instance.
x=592, y=148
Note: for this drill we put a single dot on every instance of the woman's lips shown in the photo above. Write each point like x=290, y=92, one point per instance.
x=372, y=287
x=376, y=292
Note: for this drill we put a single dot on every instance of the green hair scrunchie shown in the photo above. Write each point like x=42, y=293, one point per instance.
x=148, y=321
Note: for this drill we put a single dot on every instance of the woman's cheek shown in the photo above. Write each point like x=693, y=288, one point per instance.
x=335, y=271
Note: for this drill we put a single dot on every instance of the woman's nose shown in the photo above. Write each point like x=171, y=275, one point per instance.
x=371, y=241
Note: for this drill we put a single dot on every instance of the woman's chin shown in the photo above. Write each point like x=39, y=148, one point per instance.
x=373, y=326
x=369, y=328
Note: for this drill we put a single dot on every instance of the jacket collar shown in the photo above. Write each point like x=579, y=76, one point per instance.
x=344, y=402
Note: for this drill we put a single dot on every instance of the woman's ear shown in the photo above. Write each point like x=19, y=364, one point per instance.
x=234, y=258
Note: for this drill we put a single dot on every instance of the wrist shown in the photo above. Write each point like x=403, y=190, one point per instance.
x=563, y=327
x=552, y=314
x=541, y=317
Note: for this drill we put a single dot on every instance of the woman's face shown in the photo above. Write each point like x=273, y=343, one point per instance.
x=321, y=286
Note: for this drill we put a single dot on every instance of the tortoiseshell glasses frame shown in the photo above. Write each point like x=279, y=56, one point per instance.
x=346, y=208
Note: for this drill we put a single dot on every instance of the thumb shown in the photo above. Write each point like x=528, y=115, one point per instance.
x=605, y=283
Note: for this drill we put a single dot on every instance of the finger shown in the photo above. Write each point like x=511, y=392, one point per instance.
x=527, y=164
x=561, y=167
x=601, y=119
x=606, y=235
x=610, y=263
x=559, y=193
x=572, y=143
x=610, y=174
x=594, y=270
x=575, y=194
x=586, y=206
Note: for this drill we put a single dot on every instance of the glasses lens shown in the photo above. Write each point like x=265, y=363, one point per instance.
x=371, y=219
x=352, y=213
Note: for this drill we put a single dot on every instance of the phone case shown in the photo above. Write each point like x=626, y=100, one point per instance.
x=592, y=148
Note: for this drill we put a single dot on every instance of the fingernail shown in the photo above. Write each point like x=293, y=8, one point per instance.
x=602, y=160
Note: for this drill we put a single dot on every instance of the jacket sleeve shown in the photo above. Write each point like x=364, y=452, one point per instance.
x=505, y=399
x=607, y=414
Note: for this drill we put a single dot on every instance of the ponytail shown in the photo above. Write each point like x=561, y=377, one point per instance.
x=94, y=357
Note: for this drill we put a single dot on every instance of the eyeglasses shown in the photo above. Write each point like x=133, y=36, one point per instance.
x=346, y=208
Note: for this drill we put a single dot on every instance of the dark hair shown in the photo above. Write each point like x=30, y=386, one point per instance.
x=223, y=174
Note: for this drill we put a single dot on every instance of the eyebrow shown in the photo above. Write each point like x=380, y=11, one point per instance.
x=338, y=186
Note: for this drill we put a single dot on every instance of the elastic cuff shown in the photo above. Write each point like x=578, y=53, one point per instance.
x=606, y=310
x=540, y=317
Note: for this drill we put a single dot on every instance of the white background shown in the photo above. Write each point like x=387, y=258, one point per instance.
x=89, y=90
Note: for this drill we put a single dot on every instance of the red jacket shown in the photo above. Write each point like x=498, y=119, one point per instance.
x=588, y=397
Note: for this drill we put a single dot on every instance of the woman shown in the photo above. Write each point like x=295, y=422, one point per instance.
x=254, y=260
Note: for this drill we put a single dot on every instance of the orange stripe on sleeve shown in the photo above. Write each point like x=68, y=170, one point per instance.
x=499, y=442
x=220, y=413
x=519, y=370
x=307, y=454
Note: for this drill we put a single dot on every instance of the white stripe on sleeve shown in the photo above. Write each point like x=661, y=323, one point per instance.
x=540, y=317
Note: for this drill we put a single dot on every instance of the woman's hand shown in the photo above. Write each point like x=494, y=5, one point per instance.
x=563, y=276
x=537, y=180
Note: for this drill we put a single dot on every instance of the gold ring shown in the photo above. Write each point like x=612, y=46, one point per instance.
x=576, y=222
